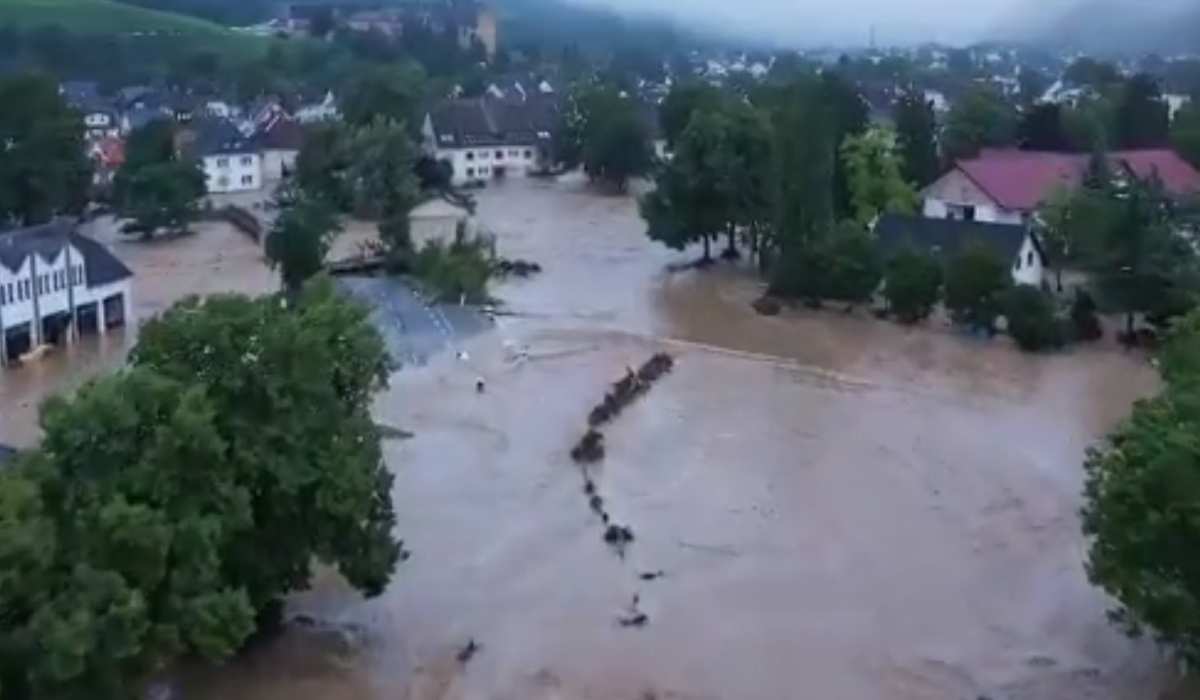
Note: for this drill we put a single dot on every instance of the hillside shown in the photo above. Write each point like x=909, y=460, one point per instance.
x=110, y=17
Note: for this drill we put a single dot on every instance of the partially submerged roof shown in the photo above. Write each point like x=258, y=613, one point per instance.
x=945, y=237
x=48, y=241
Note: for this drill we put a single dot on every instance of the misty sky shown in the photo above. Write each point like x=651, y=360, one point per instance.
x=848, y=22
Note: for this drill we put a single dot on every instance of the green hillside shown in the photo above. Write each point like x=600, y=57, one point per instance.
x=109, y=17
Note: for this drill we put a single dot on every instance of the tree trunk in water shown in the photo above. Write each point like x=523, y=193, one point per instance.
x=1058, y=279
x=732, y=248
x=1129, y=326
x=707, y=251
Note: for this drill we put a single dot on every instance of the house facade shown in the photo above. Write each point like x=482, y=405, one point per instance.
x=55, y=282
x=1016, y=244
x=279, y=143
x=231, y=161
x=484, y=139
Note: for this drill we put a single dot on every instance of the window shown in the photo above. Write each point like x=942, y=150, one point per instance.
x=499, y=155
x=514, y=153
x=470, y=155
x=3, y=298
x=1029, y=258
x=528, y=154
x=247, y=179
x=470, y=172
x=1017, y=264
x=222, y=162
x=222, y=182
x=484, y=154
x=26, y=289
x=247, y=160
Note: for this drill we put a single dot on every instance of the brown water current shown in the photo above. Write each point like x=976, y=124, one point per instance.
x=841, y=508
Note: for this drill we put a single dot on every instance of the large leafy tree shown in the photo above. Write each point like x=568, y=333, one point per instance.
x=1142, y=116
x=1185, y=133
x=981, y=118
x=390, y=92
x=157, y=187
x=615, y=145
x=873, y=168
x=1041, y=128
x=43, y=169
x=1141, y=496
x=684, y=100
x=849, y=115
x=299, y=240
x=916, y=136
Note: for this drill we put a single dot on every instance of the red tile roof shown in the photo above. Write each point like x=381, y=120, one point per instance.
x=1020, y=180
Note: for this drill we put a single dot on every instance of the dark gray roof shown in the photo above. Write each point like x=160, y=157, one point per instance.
x=219, y=137
x=946, y=236
x=490, y=122
x=49, y=241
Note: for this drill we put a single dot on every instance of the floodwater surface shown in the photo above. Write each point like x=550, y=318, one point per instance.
x=838, y=507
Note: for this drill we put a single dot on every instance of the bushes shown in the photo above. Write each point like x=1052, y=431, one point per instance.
x=846, y=267
x=976, y=279
x=454, y=272
x=1031, y=320
x=911, y=285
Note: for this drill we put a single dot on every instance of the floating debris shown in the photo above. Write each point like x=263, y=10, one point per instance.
x=388, y=432
x=518, y=267
x=590, y=448
x=618, y=534
x=651, y=575
x=636, y=620
x=470, y=650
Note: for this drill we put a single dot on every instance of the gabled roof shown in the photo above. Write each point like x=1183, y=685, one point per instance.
x=49, y=241
x=219, y=137
x=490, y=122
x=1021, y=180
x=945, y=237
x=281, y=133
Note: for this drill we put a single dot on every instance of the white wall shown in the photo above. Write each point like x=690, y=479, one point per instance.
x=50, y=286
x=479, y=163
x=235, y=172
x=1028, y=267
x=955, y=190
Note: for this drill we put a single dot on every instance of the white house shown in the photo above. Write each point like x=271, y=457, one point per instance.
x=100, y=123
x=484, y=139
x=231, y=161
x=55, y=282
x=438, y=220
x=325, y=109
x=1017, y=244
x=279, y=143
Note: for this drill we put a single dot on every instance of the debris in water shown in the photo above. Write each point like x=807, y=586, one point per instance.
x=651, y=575
x=388, y=432
x=465, y=654
x=590, y=447
x=596, y=503
x=638, y=620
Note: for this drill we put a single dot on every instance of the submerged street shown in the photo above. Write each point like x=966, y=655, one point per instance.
x=840, y=507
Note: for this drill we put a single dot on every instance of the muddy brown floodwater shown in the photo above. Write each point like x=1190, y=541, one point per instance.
x=841, y=508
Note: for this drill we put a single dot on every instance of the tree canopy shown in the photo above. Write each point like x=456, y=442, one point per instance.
x=1142, y=116
x=44, y=171
x=874, y=172
x=916, y=136
x=975, y=281
x=981, y=118
x=157, y=187
x=170, y=506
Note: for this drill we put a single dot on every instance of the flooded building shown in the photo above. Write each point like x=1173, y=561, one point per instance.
x=487, y=139
x=55, y=282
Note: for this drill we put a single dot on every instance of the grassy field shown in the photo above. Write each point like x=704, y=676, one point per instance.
x=108, y=17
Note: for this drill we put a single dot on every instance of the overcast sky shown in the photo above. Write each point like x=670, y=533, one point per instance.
x=848, y=22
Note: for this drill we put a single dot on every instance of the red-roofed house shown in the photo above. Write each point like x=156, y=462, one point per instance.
x=1007, y=185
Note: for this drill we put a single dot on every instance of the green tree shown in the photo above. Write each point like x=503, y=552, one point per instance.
x=855, y=266
x=912, y=285
x=1030, y=315
x=391, y=92
x=1185, y=133
x=684, y=100
x=1089, y=72
x=976, y=279
x=805, y=156
x=981, y=118
x=43, y=171
x=299, y=240
x=162, y=196
x=156, y=186
x=379, y=169
x=915, y=132
x=1140, y=498
x=1140, y=264
x=873, y=167
x=1041, y=128
x=1142, y=116
x=615, y=145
